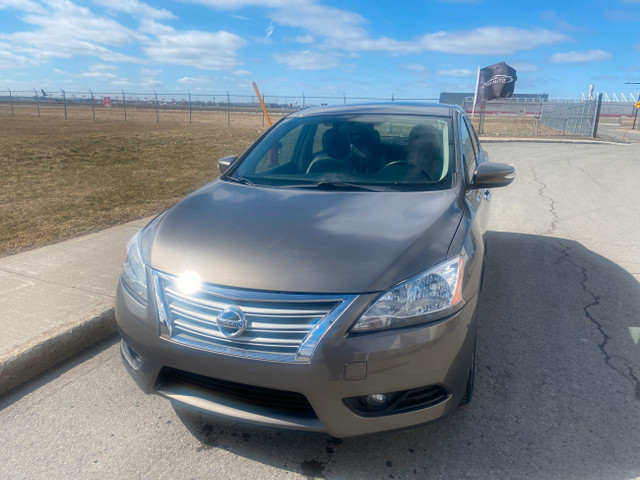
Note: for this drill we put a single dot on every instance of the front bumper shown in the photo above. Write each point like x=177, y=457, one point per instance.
x=343, y=366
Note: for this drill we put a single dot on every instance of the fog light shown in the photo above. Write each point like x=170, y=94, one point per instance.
x=377, y=400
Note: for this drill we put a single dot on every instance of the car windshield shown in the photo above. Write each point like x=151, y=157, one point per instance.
x=353, y=152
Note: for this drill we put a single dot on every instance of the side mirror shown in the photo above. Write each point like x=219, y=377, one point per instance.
x=491, y=175
x=225, y=163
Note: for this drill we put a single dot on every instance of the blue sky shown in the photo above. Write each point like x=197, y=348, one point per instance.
x=319, y=47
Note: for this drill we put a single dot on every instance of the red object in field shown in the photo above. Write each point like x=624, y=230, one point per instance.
x=107, y=102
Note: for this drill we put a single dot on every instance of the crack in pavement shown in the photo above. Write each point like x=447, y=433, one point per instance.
x=630, y=375
x=552, y=208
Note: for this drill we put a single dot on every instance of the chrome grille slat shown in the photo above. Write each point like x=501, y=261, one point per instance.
x=256, y=341
x=280, y=327
x=219, y=305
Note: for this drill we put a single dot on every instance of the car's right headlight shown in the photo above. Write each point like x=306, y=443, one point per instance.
x=134, y=275
x=429, y=296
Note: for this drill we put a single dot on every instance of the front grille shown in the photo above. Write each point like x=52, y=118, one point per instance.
x=279, y=327
x=276, y=401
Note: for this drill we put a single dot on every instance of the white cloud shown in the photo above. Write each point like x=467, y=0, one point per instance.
x=236, y=4
x=70, y=30
x=205, y=50
x=269, y=31
x=155, y=28
x=148, y=77
x=306, y=60
x=101, y=71
x=134, y=7
x=581, y=57
x=456, y=72
x=23, y=5
x=194, y=80
x=490, y=40
x=10, y=60
x=345, y=30
x=304, y=39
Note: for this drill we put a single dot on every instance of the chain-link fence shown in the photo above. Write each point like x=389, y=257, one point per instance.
x=156, y=107
x=511, y=116
x=575, y=118
x=538, y=117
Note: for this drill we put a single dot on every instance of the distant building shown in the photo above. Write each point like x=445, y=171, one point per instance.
x=453, y=98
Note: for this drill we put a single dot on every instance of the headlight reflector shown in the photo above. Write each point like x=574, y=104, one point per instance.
x=133, y=272
x=428, y=296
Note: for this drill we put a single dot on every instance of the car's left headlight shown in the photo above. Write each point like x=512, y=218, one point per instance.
x=426, y=297
x=134, y=275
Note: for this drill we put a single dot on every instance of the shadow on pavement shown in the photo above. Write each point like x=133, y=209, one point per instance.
x=557, y=391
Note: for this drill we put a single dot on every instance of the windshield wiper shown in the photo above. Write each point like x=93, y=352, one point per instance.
x=335, y=186
x=241, y=180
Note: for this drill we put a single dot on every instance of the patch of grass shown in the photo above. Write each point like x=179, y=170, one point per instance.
x=60, y=179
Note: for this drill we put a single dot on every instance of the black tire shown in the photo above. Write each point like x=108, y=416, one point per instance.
x=468, y=394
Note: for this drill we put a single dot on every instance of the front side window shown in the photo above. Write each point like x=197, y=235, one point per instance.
x=400, y=152
x=468, y=150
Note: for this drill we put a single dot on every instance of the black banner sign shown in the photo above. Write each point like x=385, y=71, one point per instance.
x=496, y=81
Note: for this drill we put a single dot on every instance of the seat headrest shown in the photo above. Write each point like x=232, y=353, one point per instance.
x=335, y=143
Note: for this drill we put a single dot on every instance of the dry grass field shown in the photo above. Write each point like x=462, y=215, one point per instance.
x=60, y=179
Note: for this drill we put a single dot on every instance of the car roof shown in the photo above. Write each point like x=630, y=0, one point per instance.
x=393, y=108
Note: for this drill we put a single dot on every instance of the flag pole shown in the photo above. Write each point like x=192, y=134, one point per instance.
x=475, y=95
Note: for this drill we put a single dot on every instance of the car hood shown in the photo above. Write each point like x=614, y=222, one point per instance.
x=296, y=240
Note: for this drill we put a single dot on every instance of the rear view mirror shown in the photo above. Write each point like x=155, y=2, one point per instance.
x=225, y=163
x=491, y=175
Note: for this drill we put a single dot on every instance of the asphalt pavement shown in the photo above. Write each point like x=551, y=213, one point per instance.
x=557, y=389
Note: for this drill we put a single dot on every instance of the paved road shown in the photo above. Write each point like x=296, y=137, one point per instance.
x=557, y=393
x=619, y=133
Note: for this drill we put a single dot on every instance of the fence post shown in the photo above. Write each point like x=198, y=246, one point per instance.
x=37, y=102
x=124, y=104
x=64, y=102
x=189, y=106
x=483, y=107
x=11, y=100
x=344, y=95
x=93, y=106
x=303, y=100
x=228, y=109
x=157, y=115
x=597, y=117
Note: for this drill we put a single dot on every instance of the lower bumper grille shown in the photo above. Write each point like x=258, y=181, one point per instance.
x=248, y=396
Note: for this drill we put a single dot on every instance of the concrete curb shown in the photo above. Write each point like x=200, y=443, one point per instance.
x=22, y=363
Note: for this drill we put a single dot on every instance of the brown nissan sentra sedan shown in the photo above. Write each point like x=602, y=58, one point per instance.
x=327, y=281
